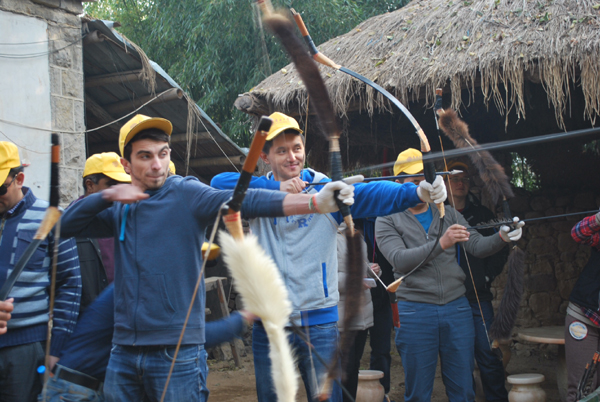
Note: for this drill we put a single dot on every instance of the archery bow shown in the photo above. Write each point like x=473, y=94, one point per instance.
x=498, y=187
x=258, y=279
x=428, y=167
x=309, y=72
x=51, y=217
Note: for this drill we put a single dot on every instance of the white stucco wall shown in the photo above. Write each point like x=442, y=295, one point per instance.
x=25, y=94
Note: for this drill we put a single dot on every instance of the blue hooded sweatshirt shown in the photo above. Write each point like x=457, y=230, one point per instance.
x=158, y=254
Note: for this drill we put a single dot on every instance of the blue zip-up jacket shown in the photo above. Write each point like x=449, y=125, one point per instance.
x=158, y=254
x=88, y=349
x=29, y=322
x=304, y=246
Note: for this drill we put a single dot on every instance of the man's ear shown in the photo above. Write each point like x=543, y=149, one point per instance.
x=265, y=158
x=126, y=165
x=20, y=179
x=88, y=185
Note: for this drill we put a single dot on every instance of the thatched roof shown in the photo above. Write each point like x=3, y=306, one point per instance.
x=493, y=46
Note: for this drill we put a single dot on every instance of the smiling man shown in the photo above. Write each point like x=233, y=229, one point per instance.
x=159, y=225
x=304, y=247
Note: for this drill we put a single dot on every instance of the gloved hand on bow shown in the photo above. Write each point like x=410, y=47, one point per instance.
x=324, y=202
x=435, y=192
x=513, y=232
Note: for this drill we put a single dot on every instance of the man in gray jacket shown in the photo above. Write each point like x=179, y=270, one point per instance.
x=304, y=248
x=435, y=316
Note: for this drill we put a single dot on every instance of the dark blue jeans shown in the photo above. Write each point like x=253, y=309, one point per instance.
x=139, y=373
x=380, y=340
x=324, y=339
x=490, y=366
x=59, y=390
x=428, y=330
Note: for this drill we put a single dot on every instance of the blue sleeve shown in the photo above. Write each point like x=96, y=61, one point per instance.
x=383, y=198
x=88, y=349
x=228, y=180
x=223, y=330
x=205, y=201
x=67, y=294
x=89, y=217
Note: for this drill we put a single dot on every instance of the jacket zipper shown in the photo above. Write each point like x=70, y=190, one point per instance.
x=2, y=228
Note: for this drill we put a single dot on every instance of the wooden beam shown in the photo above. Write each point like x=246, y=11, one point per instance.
x=182, y=138
x=113, y=78
x=218, y=161
x=102, y=115
x=128, y=105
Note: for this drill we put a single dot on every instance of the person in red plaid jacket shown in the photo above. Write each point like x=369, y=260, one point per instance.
x=582, y=323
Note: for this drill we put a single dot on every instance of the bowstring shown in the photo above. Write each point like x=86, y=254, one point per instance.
x=463, y=249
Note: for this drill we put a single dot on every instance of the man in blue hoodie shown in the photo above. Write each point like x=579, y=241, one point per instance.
x=159, y=226
x=304, y=248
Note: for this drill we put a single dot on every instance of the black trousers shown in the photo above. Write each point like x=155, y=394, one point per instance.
x=19, y=378
x=380, y=340
x=350, y=379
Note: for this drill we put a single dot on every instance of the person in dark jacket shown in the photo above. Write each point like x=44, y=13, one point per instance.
x=80, y=372
x=582, y=323
x=159, y=224
x=96, y=256
x=482, y=272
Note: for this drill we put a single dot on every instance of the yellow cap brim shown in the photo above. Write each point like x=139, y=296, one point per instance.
x=3, y=175
x=280, y=130
x=118, y=176
x=408, y=168
x=154, y=122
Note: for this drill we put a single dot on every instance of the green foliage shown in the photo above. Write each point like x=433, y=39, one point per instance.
x=216, y=49
x=523, y=174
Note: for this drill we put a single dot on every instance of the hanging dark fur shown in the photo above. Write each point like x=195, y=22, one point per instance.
x=505, y=318
x=490, y=171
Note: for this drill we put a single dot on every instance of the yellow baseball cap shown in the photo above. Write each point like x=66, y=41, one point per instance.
x=409, y=162
x=9, y=158
x=138, y=123
x=172, y=167
x=282, y=122
x=214, y=252
x=459, y=165
x=107, y=163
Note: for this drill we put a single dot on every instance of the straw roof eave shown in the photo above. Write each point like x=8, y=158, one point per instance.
x=490, y=45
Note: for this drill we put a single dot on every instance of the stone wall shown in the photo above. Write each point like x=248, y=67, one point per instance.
x=66, y=83
x=553, y=259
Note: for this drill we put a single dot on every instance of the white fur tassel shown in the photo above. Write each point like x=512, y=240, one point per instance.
x=263, y=292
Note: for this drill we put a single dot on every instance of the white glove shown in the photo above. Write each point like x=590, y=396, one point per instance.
x=323, y=202
x=435, y=192
x=514, y=235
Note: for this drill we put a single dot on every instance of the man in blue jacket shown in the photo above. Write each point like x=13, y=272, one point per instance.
x=159, y=224
x=304, y=248
x=21, y=349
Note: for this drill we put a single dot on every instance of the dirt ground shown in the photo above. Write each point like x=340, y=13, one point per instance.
x=230, y=384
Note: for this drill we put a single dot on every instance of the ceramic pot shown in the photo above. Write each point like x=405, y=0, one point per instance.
x=369, y=388
x=526, y=388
